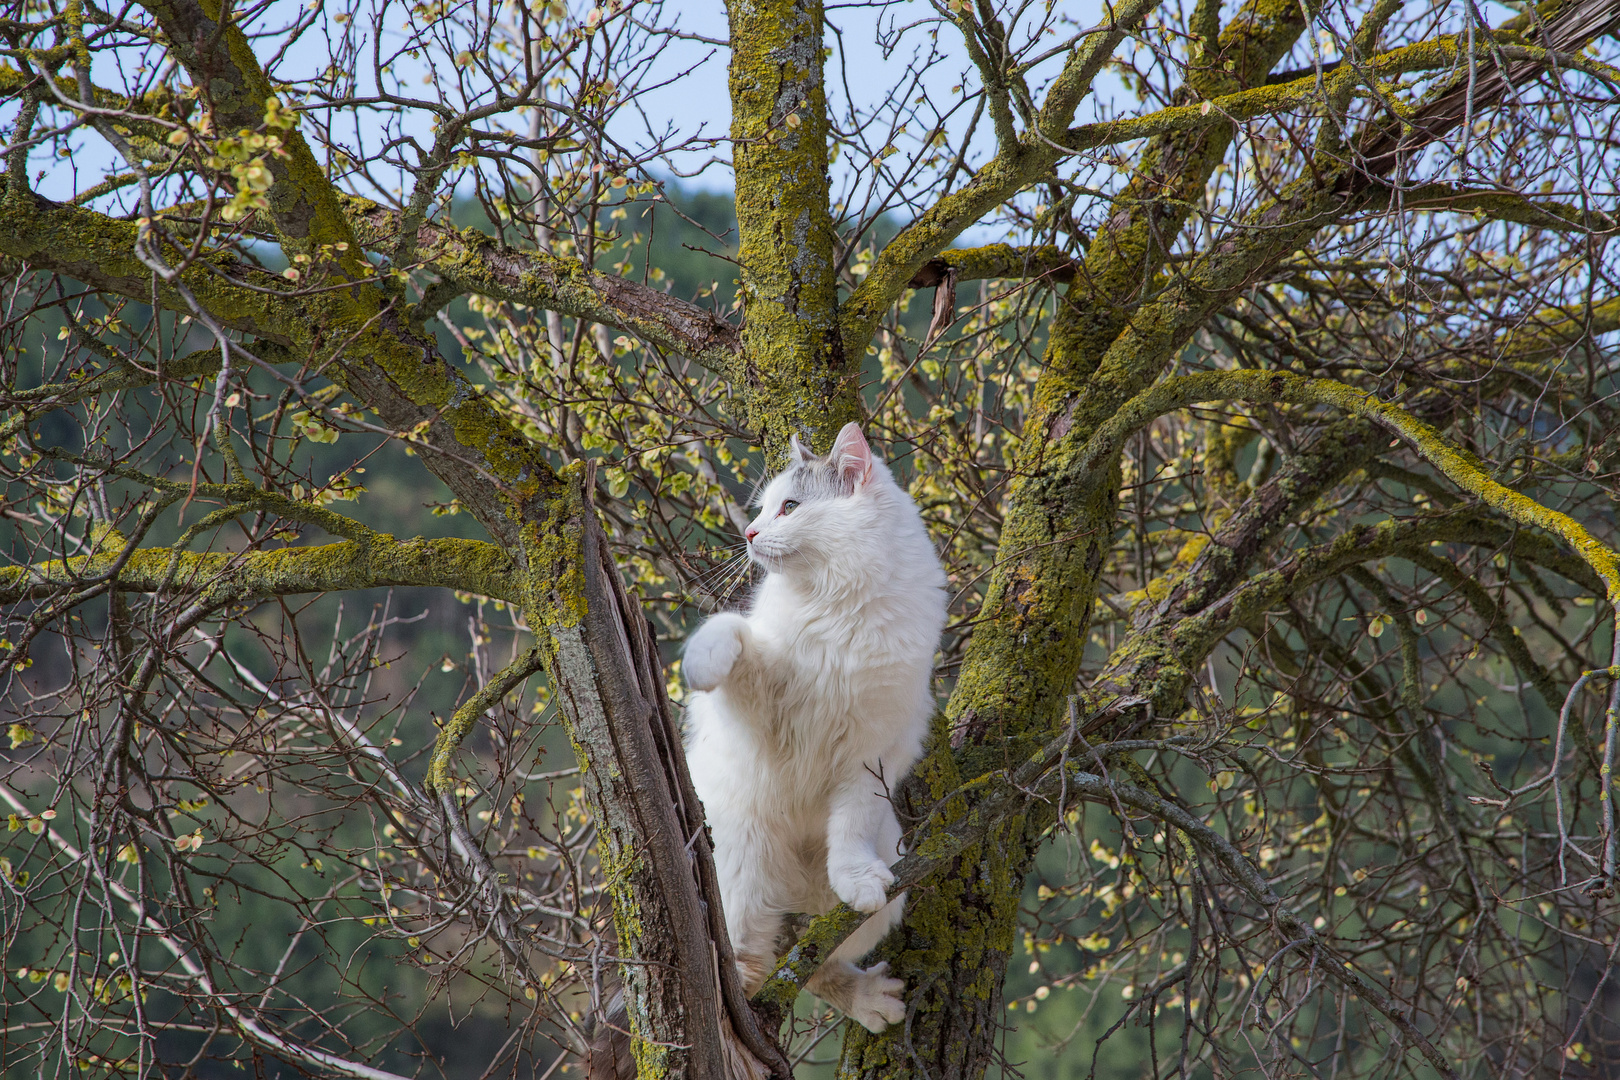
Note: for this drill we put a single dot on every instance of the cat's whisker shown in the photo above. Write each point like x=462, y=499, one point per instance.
x=742, y=575
x=719, y=580
x=724, y=565
x=727, y=584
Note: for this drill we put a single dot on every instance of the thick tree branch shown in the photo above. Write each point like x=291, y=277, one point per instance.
x=100, y=251
x=995, y=261
x=1307, y=90
x=219, y=578
x=1508, y=206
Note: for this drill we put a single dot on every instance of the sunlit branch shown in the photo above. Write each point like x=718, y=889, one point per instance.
x=995, y=261
x=468, y=713
x=1456, y=464
x=1441, y=54
x=100, y=251
x=1507, y=206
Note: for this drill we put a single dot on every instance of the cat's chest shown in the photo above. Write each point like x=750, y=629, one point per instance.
x=839, y=661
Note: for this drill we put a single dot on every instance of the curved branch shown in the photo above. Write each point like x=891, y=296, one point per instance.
x=1508, y=206
x=1441, y=54
x=100, y=251
x=466, y=717
x=1457, y=464
x=995, y=261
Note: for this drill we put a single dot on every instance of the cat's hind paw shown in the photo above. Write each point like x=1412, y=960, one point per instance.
x=864, y=887
x=712, y=651
x=877, y=1002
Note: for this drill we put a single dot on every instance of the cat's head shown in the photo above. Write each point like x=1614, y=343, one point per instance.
x=822, y=510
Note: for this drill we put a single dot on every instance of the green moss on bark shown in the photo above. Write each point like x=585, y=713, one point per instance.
x=797, y=378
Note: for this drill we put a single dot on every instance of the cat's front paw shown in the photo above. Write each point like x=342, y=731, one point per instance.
x=877, y=1002
x=864, y=887
x=712, y=651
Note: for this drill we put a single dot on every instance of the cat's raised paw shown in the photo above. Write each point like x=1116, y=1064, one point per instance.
x=877, y=1002
x=864, y=887
x=712, y=651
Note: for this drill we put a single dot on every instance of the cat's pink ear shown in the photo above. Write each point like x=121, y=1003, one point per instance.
x=800, y=451
x=852, y=457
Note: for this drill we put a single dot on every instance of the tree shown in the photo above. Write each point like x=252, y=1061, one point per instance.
x=1274, y=463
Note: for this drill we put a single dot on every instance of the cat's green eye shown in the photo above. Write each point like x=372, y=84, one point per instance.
x=790, y=505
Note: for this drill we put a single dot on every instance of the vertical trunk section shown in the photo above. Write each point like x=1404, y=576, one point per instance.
x=687, y=1013
x=796, y=377
x=669, y=978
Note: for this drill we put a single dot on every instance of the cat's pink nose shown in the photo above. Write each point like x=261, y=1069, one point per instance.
x=751, y=533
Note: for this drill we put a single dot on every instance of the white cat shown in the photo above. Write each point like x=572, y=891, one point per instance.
x=812, y=707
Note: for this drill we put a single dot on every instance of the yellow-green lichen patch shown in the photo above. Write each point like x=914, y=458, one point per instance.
x=554, y=552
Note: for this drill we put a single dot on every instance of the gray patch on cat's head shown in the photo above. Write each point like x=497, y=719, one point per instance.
x=808, y=481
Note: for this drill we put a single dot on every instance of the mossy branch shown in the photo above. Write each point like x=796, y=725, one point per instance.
x=100, y=251
x=471, y=566
x=243, y=494
x=1456, y=464
x=467, y=716
x=1508, y=206
x=802, y=374
x=1196, y=634
x=1441, y=54
x=1552, y=33
x=151, y=116
x=1168, y=642
x=1254, y=102
x=995, y=261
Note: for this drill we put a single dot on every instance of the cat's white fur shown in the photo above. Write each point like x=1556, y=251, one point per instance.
x=809, y=710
